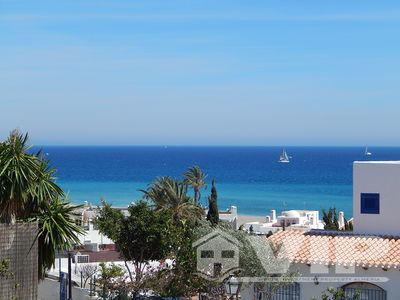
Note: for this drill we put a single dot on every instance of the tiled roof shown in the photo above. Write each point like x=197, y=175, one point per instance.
x=339, y=248
x=102, y=256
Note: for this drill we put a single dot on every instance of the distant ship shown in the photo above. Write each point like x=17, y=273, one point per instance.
x=367, y=152
x=284, y=158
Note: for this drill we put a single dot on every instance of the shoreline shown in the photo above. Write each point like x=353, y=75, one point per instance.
x=249, y=218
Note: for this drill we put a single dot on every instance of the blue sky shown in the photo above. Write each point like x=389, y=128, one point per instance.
x=201, y=72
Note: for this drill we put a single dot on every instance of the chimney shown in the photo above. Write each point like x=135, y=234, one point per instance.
x=341, y=220
x=273, y=215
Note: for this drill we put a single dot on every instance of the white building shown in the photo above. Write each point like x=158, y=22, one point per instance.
x=376, y=192
x=367, y=259
x=230, y=215
x=301, y=219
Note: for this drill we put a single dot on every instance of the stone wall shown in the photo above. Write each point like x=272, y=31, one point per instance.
x=18, y=244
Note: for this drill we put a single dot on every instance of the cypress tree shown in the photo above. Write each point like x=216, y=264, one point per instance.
x=213, y=215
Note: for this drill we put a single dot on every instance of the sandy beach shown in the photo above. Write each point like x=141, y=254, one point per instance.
x=247, y=218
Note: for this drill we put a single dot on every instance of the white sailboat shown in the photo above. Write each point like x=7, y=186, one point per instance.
x=284, y=158
x=367, y=152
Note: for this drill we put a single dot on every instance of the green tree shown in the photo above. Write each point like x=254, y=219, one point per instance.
x=142, y=236
x=337, y=294
x=112, y=278
x=331, y=220
x=170, y=195
x=196, y=179
x=213, y=214
x=180, y=280
x=258, y=257
x=4, y=269
x=348, y=226
x=28, y=192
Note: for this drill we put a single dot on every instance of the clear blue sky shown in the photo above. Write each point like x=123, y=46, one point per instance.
x=201, y=72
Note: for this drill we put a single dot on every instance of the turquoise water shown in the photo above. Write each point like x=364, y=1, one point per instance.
x=248, y=177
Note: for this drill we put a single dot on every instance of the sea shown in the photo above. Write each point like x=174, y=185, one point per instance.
x=250, y=178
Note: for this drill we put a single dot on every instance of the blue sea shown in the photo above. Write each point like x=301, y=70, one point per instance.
x=247, y=177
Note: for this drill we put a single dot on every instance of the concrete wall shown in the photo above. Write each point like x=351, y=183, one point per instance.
x=18, y=244
x=50, y=290
x=382, y=178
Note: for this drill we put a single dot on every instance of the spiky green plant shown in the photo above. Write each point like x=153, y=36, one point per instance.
x=28, y=192
x=57, y=231
x=170, y=195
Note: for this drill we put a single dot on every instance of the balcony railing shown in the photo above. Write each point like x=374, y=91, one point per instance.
x=285, y=292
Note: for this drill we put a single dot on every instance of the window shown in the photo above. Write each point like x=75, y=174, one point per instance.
x=227, y=254
x=207, y=254
x=82, y=259
x=369, y=203
x=289, y=291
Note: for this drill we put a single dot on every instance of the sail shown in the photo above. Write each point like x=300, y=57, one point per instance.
x=284, y=157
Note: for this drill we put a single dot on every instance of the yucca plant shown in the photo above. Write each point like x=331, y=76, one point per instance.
x=28, y=192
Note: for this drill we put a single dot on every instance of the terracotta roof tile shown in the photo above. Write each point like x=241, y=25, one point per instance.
x=339, y=248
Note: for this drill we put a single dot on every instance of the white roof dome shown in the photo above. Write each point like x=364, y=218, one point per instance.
x=291, y=214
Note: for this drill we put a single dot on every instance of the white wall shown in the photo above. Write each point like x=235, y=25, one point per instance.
x=310, y=289
x=382, y=178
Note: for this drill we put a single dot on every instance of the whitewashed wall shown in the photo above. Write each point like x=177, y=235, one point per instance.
x=382, y=178
x=309, y=290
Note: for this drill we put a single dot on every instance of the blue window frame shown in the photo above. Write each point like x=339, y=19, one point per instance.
x=369, y=203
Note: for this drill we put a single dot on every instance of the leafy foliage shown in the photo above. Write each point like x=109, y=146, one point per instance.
x=170, y=195
x=337, y=294
x=331, y=220
x=26, y=181
x=196, y=179
x=258, y=257
x=28, y=192
x=213, y=214
x=112, y=278
x=142, y=236
x=180, y=279
x=4, y=269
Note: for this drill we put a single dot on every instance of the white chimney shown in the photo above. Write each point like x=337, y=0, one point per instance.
x=273, y=215
x=233, y=210
x=341, y=219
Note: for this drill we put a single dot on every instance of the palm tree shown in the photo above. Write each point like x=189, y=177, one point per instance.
x=170, y=195
x=196, y=179
x=28, y=192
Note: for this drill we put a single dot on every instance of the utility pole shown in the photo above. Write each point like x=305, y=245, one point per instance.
x=69, y=276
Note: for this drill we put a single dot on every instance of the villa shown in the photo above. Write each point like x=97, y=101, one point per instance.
x=305, y=219
x=367, y=259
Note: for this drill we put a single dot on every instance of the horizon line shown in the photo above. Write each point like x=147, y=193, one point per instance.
x=233, y=145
